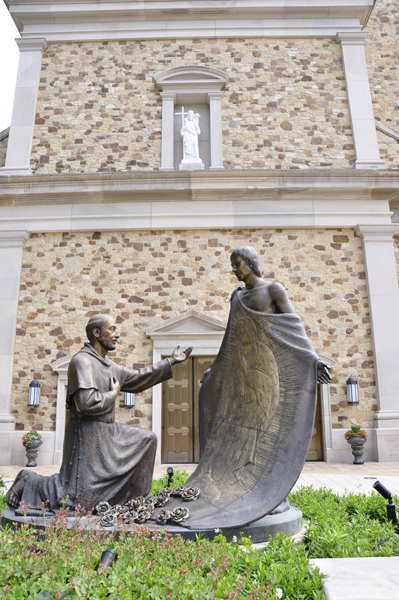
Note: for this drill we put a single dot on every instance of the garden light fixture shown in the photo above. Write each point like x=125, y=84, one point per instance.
x=108, y=557
x=169, y=471
x=391, y=512
x=34, y=393
x=130, y=400
x=352, y=391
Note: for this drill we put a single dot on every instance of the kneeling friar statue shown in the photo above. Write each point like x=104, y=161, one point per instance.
x=102, y=460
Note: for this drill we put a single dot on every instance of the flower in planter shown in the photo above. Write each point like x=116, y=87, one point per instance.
x=355, y=431
x=30, y=438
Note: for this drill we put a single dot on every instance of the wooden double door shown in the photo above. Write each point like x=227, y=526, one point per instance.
x=180, y=427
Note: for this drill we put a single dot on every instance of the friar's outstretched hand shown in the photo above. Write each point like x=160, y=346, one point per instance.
x=179, y=356
x=323, y=374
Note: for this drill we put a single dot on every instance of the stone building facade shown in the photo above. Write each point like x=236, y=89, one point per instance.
x=95, y=215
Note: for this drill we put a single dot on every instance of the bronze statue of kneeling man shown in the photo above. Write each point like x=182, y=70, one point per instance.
x=102, y=460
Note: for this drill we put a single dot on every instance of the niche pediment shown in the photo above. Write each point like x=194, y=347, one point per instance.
x=191, y=79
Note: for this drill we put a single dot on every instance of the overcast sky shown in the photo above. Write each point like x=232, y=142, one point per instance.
x=9, y=54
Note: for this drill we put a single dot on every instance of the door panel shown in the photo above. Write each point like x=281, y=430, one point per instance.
x=177, y=418
x=180, y=418
x=201, y=364
x=316, y=445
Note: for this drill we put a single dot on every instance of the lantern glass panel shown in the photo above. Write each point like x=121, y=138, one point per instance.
x=130, y=399
x=34, y=396
x=353, y=395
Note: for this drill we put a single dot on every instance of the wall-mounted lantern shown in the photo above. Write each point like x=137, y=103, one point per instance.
x=130, y=399
x=352, y=391
x=34, y=393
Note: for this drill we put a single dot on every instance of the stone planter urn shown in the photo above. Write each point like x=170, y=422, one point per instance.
x=357, y=444
x=31, y=442
x=357, y=438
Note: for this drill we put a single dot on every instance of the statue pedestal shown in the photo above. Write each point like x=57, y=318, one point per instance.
x=191, y=164
x=288, y=522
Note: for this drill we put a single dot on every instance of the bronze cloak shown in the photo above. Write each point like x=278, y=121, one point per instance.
x=257, y=409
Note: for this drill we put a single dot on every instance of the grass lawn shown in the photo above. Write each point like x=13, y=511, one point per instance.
x=61, y=565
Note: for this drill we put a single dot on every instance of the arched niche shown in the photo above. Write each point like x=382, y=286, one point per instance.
x=192, y=87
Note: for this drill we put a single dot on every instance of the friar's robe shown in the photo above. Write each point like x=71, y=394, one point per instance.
x=102, y=460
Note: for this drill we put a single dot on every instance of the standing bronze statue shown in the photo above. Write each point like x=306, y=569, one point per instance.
x=257, y=405
x=102, y=460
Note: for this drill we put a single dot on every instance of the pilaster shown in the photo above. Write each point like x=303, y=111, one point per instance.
x=215, y=127
x=359, y=97
x=11, y=244
x=168, y=119
x=24, y=107
x=383, y=290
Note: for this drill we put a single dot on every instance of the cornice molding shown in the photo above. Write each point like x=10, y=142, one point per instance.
x=190, y=200
x=13, y=239
x=351, y=38
x=377, y=233
x=68, y=20
x=31, y=44
x=157, y=186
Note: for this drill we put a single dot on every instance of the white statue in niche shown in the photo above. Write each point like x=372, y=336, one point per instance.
x=190, y=132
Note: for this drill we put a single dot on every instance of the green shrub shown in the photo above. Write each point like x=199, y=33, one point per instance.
x=3, y=492
x=151, y=567
x=342, y=526
x=156, y=567
x=179, y=478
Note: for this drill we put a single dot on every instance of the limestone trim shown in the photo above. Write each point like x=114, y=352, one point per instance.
x=13, y=239
x=11, y=243
x=359, y=98
x=383, y=292
x=338, y=191
x=191, y=85
x=377, y=233
x=5, y=133
x=24, y=107
x=111, y=20
x=189, y=328
x=31, y=44
x=60, y=366
x=387, y=130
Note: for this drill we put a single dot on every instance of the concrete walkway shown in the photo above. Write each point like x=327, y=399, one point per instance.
x=342, y=478
x=360, y=578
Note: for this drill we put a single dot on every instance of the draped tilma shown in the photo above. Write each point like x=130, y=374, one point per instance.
x=257, y=409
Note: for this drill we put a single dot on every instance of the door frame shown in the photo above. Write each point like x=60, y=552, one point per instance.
x=203, y=332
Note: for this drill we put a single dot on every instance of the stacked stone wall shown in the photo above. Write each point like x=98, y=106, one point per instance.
x=382, y=53
x=285, y=105
x=145, y=277
x=3, y=151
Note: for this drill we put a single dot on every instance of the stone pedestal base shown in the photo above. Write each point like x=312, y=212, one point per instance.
x=288, y=522
x=387, y=444
x=192, y=164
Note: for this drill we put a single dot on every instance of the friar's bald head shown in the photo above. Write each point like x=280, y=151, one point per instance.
x=102, y=329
